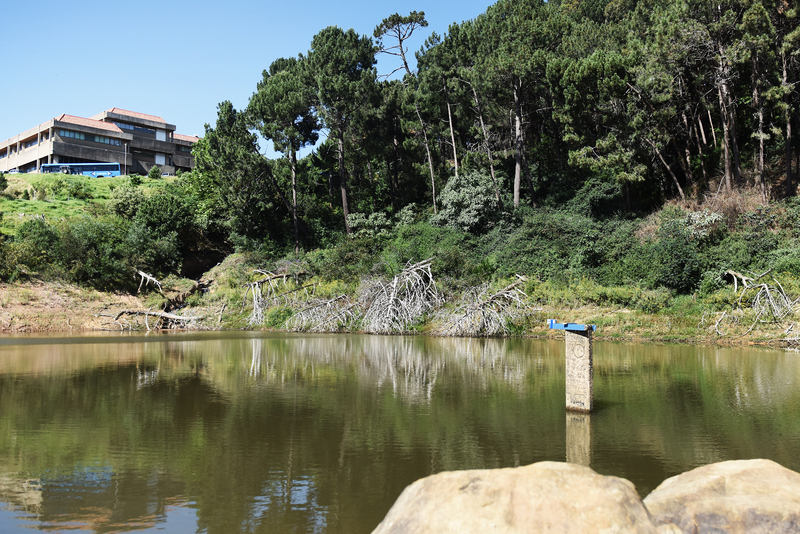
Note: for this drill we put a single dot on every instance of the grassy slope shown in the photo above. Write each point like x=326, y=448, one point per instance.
x=15, y=210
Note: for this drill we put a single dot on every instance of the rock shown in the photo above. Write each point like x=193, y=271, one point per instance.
x=542, y=497
x=736, y=496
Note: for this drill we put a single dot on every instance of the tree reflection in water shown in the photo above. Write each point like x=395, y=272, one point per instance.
x=313, y=433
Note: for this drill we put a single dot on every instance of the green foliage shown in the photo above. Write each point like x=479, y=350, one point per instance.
x=65, y=187
x=165, y=212
x=468, y=203
x=3, y=182
x=36, y=243
x=125, y=201
x=349, y=260
x=677, y=263
x=374, y=225
x=136, y=180
x=154, y=173
x=277, y=317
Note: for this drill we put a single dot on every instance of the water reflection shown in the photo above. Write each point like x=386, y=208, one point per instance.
x=255, y=433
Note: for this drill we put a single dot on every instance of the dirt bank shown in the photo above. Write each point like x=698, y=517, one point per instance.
x=58, y=307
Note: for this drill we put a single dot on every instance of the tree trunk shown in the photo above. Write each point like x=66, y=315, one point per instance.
x=479, y=109
x=700, y=151
x=788, y=118
x=293, y=165
x=428, y=152
x=760, y=114
x=711, y=126
x=725, y=143
x=343, y=180
x=517, y=139
x=450, y=123
x=666, y=165
x=528, y=181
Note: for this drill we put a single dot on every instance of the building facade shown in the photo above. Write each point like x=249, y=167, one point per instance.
x=134, y=140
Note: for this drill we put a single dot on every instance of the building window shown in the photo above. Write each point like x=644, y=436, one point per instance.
x=71, y=134
x=4, y=154
x=32, y=142
x=184, y=148
x=105, y=140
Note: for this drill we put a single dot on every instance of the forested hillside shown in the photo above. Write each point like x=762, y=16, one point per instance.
x=650, y=146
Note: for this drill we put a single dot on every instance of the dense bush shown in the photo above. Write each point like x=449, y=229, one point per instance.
x=676, y=261
x=468, y=203
x=125, y=201
x=102, y=252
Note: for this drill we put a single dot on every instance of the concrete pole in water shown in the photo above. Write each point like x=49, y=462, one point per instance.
x=579, y=364
x=579, y=389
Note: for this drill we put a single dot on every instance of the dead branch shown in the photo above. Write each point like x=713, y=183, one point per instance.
x=391, y=308
x=330, y=315
x=150, y=280
x=165, y=320
x=484, y=314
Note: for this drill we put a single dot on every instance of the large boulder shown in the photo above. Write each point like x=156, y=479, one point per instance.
x=542, y=497
x=750, y=496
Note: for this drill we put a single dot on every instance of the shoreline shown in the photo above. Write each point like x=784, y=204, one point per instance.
x=38, y=307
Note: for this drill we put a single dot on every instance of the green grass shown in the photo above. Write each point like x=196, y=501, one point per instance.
x=15, y=210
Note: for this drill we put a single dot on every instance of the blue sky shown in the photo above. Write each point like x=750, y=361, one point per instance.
x=173, y=58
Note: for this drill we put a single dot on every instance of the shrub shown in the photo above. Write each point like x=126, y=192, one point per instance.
x=35, y=243
x=125, y=201
x=65, y=187
x=154, y=173
x=676, y=262
x=468, y=203
x=167, y=212
x=374, y=225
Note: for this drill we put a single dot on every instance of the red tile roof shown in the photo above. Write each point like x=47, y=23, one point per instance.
x=72, y=119
x=190, y=138
x=136, y=114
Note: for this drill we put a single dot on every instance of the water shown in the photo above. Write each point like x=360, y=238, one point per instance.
x=251, y=432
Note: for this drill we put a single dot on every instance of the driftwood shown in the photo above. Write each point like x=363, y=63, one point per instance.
x=485, y=314
x=768, y=299
x=150, y=280
x=391, y=308
x=264, y=294
x=164, y=319
x=330, y=315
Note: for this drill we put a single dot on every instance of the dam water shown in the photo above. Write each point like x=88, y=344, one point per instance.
x=225, y=432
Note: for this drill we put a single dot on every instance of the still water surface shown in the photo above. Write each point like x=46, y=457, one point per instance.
x=252, y=432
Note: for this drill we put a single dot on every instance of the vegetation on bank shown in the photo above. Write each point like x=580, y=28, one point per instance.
x=631, y=163
x=663, y=276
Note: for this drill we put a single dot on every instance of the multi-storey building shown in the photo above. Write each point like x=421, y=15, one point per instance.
x=134, y=140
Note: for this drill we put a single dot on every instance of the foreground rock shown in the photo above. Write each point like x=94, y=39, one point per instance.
x=736, y=496
x=542, y=497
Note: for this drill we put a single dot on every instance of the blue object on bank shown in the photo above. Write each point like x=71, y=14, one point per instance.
x=575, y=327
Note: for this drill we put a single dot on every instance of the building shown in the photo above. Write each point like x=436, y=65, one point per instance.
x=134, y=140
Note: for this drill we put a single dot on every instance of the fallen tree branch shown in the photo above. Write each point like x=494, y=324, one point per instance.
x=486, y=314
x=150, y=280
x=164, y=319
x=391, y=308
